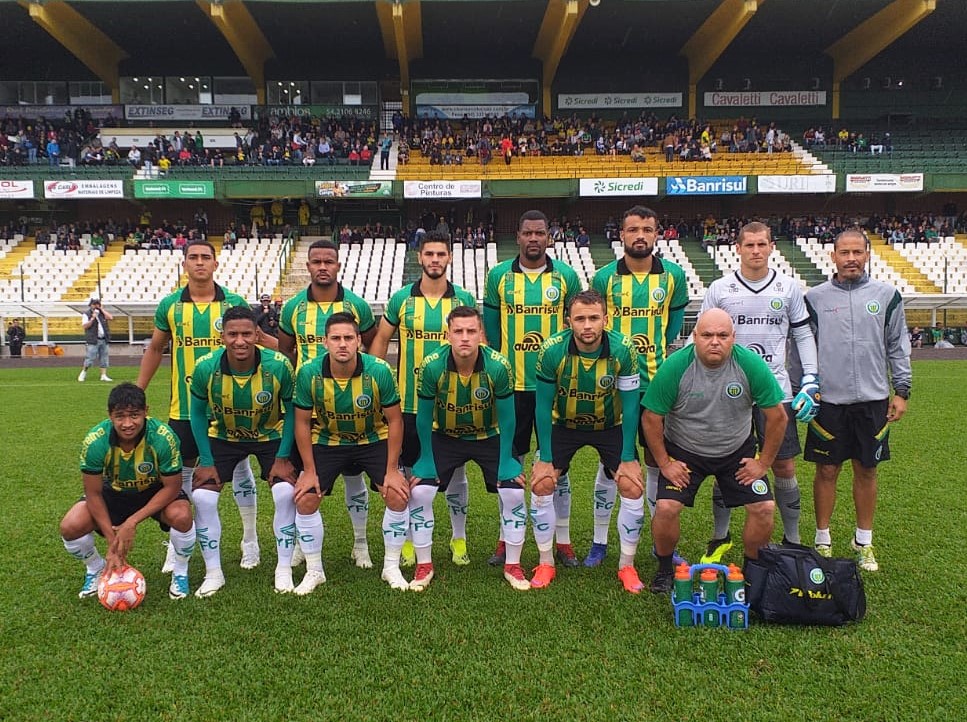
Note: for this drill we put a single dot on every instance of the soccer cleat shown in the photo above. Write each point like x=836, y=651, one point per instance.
x=169, y=566
x=663, y=582
x=309, y=582
x=298, y=556
x=251, y=556
x=596, y=555
x=543, y=576
x=82, y=375
x=866, y=559
x=716, y=550
x=210, y=585
x=179, y=586
x=360, y=555
x=423, y=577
x=630, y=580
x=458, y=550
x=408, y=555
x=394, y=577
x=91, y=580
x=283, y=580
x=105, y=377
x=566, y=556
x=499, y=557
x=514, y=575
x=824, y=550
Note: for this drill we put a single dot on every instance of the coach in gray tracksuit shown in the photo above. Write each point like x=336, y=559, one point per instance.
x=862, y=345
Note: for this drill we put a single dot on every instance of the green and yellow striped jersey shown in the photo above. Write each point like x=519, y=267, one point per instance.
x=244, y=407
x=640, y=305
x=196, y=331
x=156, y=454
x=588, y=385
x=531, y=308
x=304, y=319
x=464, y=407
x=422, y=324
x=350, y=411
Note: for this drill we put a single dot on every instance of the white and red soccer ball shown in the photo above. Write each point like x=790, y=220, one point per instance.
x=122, y=590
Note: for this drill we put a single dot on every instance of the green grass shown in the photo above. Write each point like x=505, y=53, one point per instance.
x=469, y=648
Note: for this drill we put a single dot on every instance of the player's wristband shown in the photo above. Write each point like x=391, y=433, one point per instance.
x=902, y=393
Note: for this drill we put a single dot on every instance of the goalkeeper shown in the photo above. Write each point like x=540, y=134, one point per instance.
x=766, y=307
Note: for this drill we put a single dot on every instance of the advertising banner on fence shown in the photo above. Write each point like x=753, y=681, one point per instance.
x=619, y=100
x=764, y=98
x=10, y=189
x=883, y=182
x=797, y=183
x=173, y=189
x=164, y=113
x=365, y=112
x=599, y=187
x=83, y=189
x=706, y=185
x=349, y=189
x=442, y=189
x=57, y=112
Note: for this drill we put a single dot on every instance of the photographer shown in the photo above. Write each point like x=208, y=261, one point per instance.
x=267, y=315
x=97, y=335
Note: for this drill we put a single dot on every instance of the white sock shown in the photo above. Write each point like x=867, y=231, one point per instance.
x=790, y=505
x=542, y=522
x=184, y=544
x=209, y=531
x=721, y=514
x=457, y=496
x=422, y=520
x=562, y=509
x=395, y=524
x=243, y=487
x=311, y=532
x=357, y=504
x=283, y=522
x=500, y=515
x=83, y=548
x=631, y=517
x=513, y=525
x=823, y=537
x=605, y=490
x=651, y=488
x=186, y=474
x=864, y=537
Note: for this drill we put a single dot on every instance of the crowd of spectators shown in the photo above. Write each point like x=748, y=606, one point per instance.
x=308, y=141
x=26, y=141
x=816, y=137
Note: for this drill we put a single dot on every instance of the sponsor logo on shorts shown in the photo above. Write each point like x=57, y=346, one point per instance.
x=552, y=293
x=606, y=381
x=658, y=294
x=760, y=487
x=776, y=304
x=816, y=575
x=734, y=391
x=878, y=453
x=873, y=308
x=145, y=467
x=481, y=393
x=263, y=397
x=363, y=401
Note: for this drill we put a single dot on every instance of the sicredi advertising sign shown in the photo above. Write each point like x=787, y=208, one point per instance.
x=883, y=182
x=796, y=183
x=619, y=100
x=173, y=189
x=601, y=187
x=16, y=189
x=706, y=185
x=71, y=189
x=442, y=189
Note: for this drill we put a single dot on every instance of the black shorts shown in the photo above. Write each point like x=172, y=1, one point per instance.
x=410, y=452
x=566, y=442
x=355, y=470
x=851, y=431
x=228, y=454
x=189, y=450
x=649, y=457
x=450, y=454
x=723, y=469
x=331, y=461
x=121, y=505
x=525, y=403
x=789, y=448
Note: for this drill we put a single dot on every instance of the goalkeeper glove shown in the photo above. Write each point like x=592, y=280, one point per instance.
x=806, y=402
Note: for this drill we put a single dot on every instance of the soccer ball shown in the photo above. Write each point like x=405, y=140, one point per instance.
x=124, y=589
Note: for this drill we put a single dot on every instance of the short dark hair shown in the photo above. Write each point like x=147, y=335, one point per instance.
x=589, y=298
x=640, y=211
x=200, y=242
x=238, y=313
x=532, y=215
x=753, y=227
x=435, y=237
x=852, y=231
x=323, y=243
x=464, y=312
x=342, y=317
x=126, y=396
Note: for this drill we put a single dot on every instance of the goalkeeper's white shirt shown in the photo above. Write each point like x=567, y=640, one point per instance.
x=763, y=313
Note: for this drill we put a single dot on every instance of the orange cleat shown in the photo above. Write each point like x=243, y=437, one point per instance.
x=543, y=576
x=629, y=579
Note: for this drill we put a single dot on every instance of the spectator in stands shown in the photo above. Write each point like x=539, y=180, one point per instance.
x=98, y=243
x=637, y=154
x=53, y=152
x=15, y=338
x=916, y=337
x=345, y=235
x=583, y=240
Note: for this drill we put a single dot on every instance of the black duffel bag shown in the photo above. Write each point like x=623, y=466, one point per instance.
x=792, y=584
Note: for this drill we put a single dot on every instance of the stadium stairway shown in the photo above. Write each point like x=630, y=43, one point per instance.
x=15, y=256
x=86, y=286
x=910, y=273
x=297, y=277
x=702, y=263
x=800, y=261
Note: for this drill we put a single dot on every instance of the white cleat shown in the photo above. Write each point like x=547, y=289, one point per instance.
x=283, y=580
x=309, y=582
x=251, y=557
x=105, y=377
x=169, y=566
x=211, y=584
x=298, y=556
x=360, y=555
x=396, y=580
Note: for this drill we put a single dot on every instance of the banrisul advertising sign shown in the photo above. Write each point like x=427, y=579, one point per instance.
x=706, y=185
x=173, y=189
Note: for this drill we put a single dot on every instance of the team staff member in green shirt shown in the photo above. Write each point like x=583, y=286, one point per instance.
x=355, y=398
x=238, y=396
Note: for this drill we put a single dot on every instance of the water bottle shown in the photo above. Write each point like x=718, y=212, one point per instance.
x=735, y=594
x=683, y=593
x=708, y=585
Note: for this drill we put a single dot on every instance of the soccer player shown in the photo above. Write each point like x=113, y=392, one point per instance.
x=524, y=305
x=698, y=422
x=190, y=320
x=587, y=395
x=861, y=335
x=244, y=390
x=302, y=328
x=419, y=311
x=765, y=307
x=131, y=467
x=357, y=403
x=647, y=296
x=466, y=412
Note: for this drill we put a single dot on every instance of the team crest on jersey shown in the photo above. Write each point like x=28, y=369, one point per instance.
x=760, y=487
x=733, y=288
x=733, y=391
x=218, y=324
x=145, y=467
x=552, y=293
x=606, y=381
x=776, y=304
x=816, y=575
x=658, y=294
x=873, y=308
x=481, y=393
x=363, y=401
x=263, y=397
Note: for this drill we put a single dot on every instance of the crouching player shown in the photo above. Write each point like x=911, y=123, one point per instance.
x=243, y=390
x=465, y=411
x=360, y=425
x=131, y=466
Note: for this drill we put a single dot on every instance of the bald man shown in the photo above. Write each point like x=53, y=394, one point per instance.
x=698, y=423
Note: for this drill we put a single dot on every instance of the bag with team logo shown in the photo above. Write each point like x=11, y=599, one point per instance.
x=792, y=584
